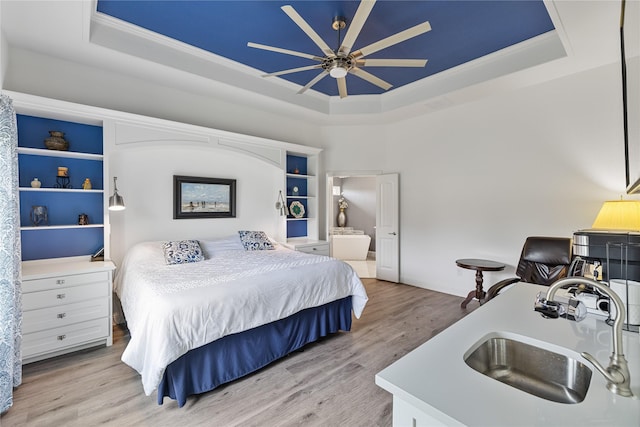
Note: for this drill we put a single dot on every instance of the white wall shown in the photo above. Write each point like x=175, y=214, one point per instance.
x=145, y=180
x=477, y=179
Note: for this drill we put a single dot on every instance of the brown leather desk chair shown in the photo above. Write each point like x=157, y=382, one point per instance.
x=543, y=261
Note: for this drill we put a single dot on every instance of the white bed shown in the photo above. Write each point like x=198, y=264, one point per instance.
x=172, y=309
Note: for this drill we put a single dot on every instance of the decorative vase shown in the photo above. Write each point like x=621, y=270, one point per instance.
x=39, y=215
x=342, y=218
x=86, y=185
x=35, y=183
x=56, y=141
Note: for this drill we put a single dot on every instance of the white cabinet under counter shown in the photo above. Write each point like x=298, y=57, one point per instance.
x=66, y=305
x=433, y=385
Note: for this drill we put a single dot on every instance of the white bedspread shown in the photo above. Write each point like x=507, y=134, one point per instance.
x=171, y=309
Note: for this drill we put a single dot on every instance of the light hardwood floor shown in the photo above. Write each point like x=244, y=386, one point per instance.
x=329, y=383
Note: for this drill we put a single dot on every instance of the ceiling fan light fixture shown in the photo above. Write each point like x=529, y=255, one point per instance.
x=339, y=22
x=337, y=72
x=342, y=61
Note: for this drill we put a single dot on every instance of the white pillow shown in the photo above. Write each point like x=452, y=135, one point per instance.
x=214, y=246
x=182, y=251
x=255, y=240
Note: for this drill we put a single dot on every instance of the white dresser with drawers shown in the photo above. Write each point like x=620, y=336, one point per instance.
x=66, y=306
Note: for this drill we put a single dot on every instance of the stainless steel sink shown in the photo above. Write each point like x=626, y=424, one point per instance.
x=532, y=369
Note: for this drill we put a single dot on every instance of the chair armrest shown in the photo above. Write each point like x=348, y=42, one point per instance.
x=495, y=289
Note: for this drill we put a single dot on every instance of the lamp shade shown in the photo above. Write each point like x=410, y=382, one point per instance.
x=116, y=202
x=619, y=215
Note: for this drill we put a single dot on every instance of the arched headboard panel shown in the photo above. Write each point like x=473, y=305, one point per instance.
x=145, y=158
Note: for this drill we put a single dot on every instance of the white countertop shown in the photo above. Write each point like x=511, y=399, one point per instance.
x=435, y=379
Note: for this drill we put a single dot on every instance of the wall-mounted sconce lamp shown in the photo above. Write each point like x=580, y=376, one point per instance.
x=282, y=205
x=116, y=202
x=619, y=215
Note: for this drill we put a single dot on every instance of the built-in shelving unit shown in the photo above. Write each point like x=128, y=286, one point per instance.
x=61, y=236
x=301, y=176
x=67, y=298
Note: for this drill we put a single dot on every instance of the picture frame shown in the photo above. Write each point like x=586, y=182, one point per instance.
x=201, y=197
x=630, y=56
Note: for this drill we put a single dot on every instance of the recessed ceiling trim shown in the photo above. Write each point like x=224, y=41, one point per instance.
x=538, y=50
x=124, y=37
x=129, y=39
x=552, y=10
x=530, y=53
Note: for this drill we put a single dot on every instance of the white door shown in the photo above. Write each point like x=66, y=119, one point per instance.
x=387, y=228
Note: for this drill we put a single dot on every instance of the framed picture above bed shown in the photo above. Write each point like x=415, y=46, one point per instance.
x=199, y=197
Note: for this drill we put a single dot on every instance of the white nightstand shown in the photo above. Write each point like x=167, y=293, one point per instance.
x=316, y=247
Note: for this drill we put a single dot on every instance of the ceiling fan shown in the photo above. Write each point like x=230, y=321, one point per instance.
x=338, y=63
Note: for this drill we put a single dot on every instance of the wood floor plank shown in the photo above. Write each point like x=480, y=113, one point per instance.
x=328, y=383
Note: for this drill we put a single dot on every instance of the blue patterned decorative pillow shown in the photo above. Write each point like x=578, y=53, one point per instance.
x=255, y=240
x=182, y=251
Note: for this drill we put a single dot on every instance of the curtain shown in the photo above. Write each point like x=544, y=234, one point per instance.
x=10, y=274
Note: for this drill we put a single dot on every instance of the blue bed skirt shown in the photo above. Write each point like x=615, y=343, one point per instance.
x=233, y=356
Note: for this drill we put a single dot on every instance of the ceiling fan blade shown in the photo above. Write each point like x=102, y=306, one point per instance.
x=315, y=80
x=285, y=51
x=364, y=9
x=391, y=62
x=394, y=39
x=370, y=78
x=292, y=70
x=299, y=20
x=342, y=87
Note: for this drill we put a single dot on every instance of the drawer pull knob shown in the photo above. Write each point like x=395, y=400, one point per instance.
x=62, y=315
x=315, y=249
x=61, y=296
x=60, y=282
x=61, y=337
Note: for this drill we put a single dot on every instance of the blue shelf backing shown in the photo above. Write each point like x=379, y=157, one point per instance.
x=296, y=162
x=62, y=208
x=301, y=183
x=56, y=243
x=297, y=228
x=297, y=165
x=45, y=168
x=82, y=138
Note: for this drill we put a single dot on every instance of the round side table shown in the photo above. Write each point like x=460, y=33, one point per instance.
x=479, y=265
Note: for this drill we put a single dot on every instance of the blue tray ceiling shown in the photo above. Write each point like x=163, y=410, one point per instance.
x=461, y=32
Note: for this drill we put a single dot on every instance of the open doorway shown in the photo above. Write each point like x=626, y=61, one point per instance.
x=359, y=205
x=352, y=223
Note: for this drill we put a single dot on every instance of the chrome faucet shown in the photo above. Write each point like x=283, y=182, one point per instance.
x=617, y=374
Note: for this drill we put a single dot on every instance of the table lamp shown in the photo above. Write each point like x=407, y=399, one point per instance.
x=619, y=215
